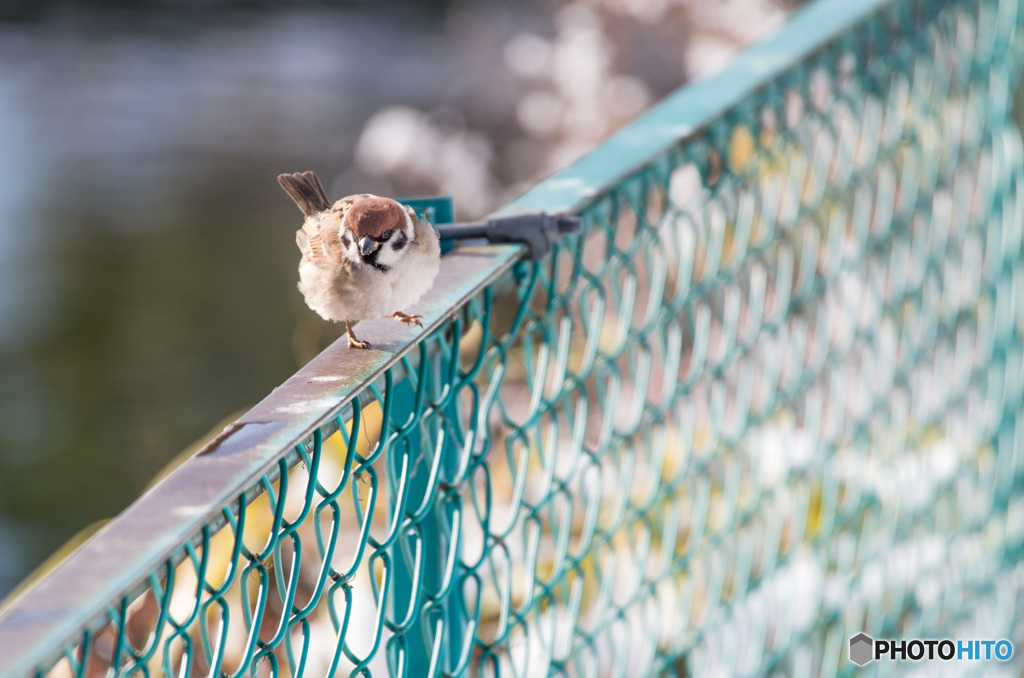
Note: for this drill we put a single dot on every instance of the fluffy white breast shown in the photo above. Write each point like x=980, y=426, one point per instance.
x=352, y=290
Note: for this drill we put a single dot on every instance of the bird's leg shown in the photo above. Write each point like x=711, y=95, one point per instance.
x=352, y=341
x=407, y=319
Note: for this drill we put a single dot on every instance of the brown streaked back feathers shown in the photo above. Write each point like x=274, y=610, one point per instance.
x=342, y=205
x=306, y=190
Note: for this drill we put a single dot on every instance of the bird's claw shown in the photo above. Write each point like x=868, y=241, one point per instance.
x=352, y=341
x=407, y=319
x=357, y=343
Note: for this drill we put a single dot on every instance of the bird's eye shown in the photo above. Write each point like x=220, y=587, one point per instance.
x=386, y=234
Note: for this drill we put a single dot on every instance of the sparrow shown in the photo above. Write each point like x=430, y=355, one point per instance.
x=362, y=257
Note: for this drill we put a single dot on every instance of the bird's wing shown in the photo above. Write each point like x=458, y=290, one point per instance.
x=322, y=248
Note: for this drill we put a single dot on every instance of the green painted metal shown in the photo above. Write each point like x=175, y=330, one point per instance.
x=439, y=209
x=769, y=398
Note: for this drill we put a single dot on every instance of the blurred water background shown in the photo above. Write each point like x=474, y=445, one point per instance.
x=147, y=258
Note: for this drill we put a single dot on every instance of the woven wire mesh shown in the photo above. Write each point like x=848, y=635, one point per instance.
x=770, y=398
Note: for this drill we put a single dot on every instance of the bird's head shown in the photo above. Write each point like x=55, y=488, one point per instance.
x=376, y=231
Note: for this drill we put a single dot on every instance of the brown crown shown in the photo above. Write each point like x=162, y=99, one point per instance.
x=373, y=216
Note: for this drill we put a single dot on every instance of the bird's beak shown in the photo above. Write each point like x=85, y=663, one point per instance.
x=368, y=246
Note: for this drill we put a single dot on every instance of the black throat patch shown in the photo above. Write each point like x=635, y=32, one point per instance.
x=371, y=259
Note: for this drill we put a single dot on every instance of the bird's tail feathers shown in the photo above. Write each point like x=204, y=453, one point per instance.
x=306, y=190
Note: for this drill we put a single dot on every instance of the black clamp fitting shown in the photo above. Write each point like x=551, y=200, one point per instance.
x=538, y=231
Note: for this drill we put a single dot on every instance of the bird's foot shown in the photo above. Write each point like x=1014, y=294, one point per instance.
x=357, y=343
x=352, y=341
x=407, y=319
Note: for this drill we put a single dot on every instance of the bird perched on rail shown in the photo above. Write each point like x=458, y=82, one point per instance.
x=362, y=257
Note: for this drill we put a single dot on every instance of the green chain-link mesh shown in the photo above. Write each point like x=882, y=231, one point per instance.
x=770, y=398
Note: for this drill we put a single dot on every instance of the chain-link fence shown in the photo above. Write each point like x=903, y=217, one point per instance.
x=768, y=399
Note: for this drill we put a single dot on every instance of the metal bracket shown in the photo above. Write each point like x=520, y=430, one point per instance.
x=437, y=209
x=538, y=231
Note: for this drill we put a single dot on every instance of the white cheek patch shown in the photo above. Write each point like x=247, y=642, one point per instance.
x=388, y=255
x=348, y=242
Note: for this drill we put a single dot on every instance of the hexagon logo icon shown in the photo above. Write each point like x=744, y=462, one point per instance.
x=861, y=649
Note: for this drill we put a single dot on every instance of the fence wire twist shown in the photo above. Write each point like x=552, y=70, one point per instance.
x=770, y=398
